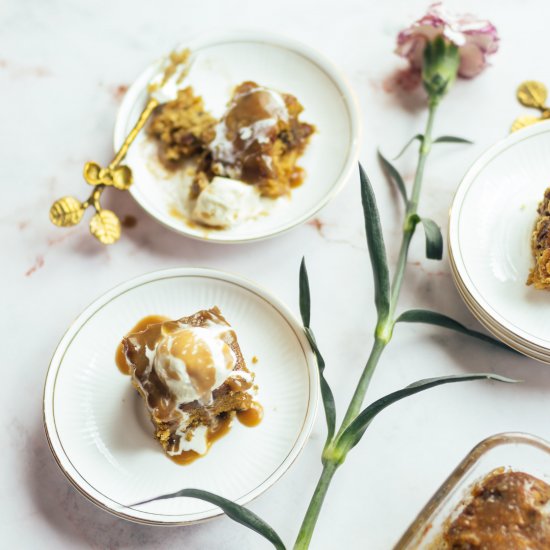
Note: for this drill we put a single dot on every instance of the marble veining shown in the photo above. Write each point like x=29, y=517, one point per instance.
x=64, y=67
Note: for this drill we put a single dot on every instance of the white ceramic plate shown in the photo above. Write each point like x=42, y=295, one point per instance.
x=496, y=330
x=220, y=63
x=511, y=339
x=97, y=426
x=491, y=220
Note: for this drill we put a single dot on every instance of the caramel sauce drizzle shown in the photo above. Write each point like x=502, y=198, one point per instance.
x=142, y=324
x=249, y=418
x=252, y=104
x=252, y=416
x=214, y=433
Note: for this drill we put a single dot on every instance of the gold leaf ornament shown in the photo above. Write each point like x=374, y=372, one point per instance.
x=120, y=177
x=66, y=211
x=92, y=172
x=532, y=94
x=523, y=121
x=105, y=227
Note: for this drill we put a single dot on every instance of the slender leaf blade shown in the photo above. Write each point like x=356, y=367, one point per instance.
x=418, y=137
x=438, y=319
x=233, y=510
x=354, y=432
x=305, y=298
x=377, y=250
x=393, y=175
x=434, y=239
x=330, y=409
x=452, y=139
x=326, y=392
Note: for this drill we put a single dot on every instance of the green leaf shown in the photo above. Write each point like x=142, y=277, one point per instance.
x=326, y=392
x=451, y=139
x=305, y=299
x=434, y=239
x=236, y=512
x=377, y=251
x=354, y=432
x=440, y=320
x=393, y=175
x=419, y=137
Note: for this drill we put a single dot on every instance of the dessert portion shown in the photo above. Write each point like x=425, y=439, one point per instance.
x=539, y=276
x=506, y=511
x=192, y=377
x=259, y=140
x=181, y=128
x=255, y=145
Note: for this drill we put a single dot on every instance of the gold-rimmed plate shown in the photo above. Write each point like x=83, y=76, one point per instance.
x=219, y=63
x=491, y=220
x=494, y=328
x=97, y=426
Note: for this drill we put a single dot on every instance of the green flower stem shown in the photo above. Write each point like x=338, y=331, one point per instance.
x=359, y=395
x=385, y=326
x=411, y=219
x=314, y=508
x=334, y=453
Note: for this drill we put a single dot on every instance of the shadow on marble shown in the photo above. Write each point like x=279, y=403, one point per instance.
x=483, y=357
x=405, y=88
x=149, y=236
x=136, y=433
x=84, y=244
x=429, y=285
x=79, y=521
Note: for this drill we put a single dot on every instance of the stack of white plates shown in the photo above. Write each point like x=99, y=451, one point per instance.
x=491, y=221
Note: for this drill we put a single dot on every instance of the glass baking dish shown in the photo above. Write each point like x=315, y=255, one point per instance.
x=518, y=452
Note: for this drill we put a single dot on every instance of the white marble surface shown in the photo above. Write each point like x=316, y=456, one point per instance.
x=63, y=68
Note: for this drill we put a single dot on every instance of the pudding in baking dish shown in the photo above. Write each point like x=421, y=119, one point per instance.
x=506, y=511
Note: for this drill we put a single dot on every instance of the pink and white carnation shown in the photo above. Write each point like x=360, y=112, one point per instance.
x=476, y=39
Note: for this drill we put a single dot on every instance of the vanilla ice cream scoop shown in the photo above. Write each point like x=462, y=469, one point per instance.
x=225, y=203
x=191, y=362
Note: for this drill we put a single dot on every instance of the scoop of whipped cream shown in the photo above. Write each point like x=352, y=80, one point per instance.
x=191, y=362
x=226, y=203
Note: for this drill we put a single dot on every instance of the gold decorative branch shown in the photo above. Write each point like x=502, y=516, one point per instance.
x=104, y=225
